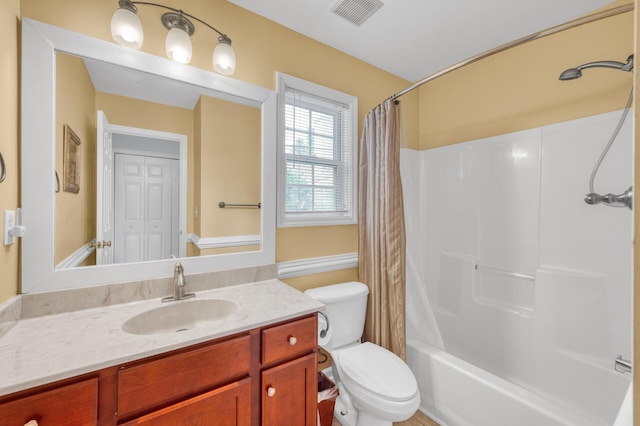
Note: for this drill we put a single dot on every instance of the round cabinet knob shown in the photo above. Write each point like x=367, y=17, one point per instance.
x=271, y=391
x=31, y=423
x=292, y=340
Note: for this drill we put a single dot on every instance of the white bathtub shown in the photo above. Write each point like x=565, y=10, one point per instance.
x=527, y=288
x=456, y=393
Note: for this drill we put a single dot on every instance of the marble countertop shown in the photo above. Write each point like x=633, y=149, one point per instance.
x=45, y=349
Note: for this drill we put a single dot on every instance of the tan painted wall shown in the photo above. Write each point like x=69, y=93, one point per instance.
x=300, y=245
x=310, y=281
x=192, y=250
x=230, y=171
x=9, y=138
x=230, y=167
x=75, y=106
x=519, y=89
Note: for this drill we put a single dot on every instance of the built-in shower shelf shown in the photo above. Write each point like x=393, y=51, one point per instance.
x=503, y=289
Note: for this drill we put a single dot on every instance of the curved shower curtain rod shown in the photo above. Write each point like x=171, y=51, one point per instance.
x=535, y=36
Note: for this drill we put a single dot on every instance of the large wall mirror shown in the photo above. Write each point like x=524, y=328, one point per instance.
x=126, y=159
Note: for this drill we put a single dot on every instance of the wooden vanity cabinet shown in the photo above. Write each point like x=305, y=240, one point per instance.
x=266, y=376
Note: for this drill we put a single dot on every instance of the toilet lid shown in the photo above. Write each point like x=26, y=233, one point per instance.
x=378, y=371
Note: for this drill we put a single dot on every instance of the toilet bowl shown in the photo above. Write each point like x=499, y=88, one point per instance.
x=381, y=386
x=374, y=383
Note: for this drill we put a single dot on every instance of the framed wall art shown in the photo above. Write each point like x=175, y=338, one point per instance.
x=71, y=160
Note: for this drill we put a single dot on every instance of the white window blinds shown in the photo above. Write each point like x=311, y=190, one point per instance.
x=317, y=157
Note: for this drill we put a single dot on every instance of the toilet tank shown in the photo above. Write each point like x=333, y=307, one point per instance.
x=346, y=308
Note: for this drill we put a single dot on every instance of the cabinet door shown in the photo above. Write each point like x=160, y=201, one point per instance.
x=289, y=393
x=75, y=404
x=227, y=406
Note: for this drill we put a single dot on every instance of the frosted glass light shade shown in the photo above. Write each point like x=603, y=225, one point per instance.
x=224, y=59
x=178, y=45
x=126, y=29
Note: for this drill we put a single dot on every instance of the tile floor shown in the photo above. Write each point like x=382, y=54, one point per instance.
x=418, y=419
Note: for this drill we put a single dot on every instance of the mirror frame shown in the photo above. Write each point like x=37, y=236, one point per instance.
x=40, y=42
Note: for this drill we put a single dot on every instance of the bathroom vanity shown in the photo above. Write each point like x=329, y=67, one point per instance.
x=263, y=375
x=98, y=357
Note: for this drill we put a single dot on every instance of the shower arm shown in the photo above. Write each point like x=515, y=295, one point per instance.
x=573, y=73
x=609, y=64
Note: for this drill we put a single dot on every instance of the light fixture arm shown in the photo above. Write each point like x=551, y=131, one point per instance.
x=128, y=5
x=133, y=3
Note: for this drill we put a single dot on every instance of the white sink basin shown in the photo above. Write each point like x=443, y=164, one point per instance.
x=180, y=316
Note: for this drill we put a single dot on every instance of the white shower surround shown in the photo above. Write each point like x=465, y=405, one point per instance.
x=525, y=280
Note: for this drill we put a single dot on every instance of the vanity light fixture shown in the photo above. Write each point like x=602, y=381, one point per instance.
x=126, y=29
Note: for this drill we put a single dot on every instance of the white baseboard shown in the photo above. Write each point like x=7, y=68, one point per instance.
x=77, y=257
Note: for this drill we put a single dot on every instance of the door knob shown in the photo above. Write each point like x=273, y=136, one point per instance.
x=100, y=244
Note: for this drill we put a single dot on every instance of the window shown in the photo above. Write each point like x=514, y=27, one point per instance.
x=317, y=154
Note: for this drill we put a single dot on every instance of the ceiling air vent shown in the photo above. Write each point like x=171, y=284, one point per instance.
x=356, y=11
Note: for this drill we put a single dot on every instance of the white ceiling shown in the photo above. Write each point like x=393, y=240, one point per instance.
x=118, y=80
x=416, y=38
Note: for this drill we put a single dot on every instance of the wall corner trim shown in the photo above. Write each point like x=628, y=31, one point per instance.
x=218, y=242
x=316, y=265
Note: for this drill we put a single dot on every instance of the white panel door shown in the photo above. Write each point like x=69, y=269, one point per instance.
x=129, y=217
x=159, y=204
x=144, y=200
x=104, y=197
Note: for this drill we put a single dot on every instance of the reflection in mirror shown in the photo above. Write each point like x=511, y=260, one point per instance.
x=135, y=206
x=224, y=130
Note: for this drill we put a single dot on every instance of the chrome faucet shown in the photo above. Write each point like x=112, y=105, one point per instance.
x=179, y=284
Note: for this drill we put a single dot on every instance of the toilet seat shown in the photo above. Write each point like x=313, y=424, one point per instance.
x=378, y=372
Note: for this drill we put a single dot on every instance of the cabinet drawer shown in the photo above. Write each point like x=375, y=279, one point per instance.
x=75, y=404
x=288, y=340
x=227, y=406
x=157, y=383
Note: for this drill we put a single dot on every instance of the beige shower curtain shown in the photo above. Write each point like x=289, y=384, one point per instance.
x=381, y=255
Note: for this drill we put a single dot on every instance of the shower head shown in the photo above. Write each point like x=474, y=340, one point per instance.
x=573, y=73
x=570, y=74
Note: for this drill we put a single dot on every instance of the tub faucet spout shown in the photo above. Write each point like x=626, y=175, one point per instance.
x=179, y=284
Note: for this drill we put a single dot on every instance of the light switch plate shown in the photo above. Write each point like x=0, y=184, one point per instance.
x=9, y=224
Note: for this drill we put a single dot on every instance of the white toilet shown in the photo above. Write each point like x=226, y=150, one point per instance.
x=371, y=379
